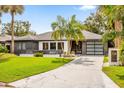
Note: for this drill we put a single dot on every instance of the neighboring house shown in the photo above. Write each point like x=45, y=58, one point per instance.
x=92, y=45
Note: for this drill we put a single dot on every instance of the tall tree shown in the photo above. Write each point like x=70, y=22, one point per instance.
x=114, y=16
x=73, y=31
x=58, y=28
x=2, y=10
x=70, y=29
x=95, y=23
x=14, y=10
x=21, y=28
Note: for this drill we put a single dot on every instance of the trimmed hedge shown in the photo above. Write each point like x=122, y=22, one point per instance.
x=38, y=54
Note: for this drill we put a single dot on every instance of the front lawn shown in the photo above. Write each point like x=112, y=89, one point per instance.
x=15, y=68
x=116, y=73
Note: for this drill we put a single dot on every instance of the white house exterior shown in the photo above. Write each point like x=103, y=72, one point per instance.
x=92, y=45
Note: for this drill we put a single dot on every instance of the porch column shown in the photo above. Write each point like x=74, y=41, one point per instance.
x=65, y=46
x=48, y=45
x=56, y=45
x=40, y=46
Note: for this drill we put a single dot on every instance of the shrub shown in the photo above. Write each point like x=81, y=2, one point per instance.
x=121, y=53
x=3, y=49
x=38, y=54
x=67, y=54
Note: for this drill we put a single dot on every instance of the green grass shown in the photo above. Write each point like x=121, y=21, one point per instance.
x=6, y=55
x=15, y=68
x=105, y=60
x=116, y=73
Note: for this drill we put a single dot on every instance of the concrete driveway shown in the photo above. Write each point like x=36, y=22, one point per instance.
x=83, y=72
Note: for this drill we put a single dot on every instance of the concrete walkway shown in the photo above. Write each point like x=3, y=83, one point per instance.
x=83, y=72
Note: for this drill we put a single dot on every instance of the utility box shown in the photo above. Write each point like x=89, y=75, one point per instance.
x=113, y=56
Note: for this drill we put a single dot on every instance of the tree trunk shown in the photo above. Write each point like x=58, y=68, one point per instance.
x=12, y=33
x=118, y=28
x=69, y=46
x=62, y=48
x=0, y=23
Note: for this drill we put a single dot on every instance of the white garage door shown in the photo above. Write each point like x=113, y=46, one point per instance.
x=94, y=48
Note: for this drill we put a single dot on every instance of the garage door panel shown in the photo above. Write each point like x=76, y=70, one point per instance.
x=95, y=48
x=99, y=53
x=90, y=53
x=98, y=43
x=90, y=49
x=99, y=49
x=90, y=42
x=90, y=46
x=101, y=46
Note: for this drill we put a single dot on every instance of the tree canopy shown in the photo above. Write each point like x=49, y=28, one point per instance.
x=95, y=23
x=21, y=28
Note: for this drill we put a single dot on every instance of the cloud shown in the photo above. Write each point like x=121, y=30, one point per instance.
x=87, y=7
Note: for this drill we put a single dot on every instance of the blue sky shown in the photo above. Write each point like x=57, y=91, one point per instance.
x=41, y=16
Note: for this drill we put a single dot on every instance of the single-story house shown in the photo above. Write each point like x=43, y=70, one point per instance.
x=92, y=45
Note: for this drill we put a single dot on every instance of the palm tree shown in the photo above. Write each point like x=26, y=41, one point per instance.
x=58, y=28
x=70, y=29
x=114, y=16
x=73, y=31
x=14, y=10
x=2, y=10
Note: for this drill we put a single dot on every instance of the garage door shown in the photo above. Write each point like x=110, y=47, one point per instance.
x=94, y=48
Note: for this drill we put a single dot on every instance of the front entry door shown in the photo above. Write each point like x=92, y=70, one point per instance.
x=77, y=48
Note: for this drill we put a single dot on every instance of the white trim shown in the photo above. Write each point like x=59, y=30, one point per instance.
x=41, y=44
x=48, y=45
x=56, y=45
x=65, y=46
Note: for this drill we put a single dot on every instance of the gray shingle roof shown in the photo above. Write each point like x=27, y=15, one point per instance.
x=90, y=35
x=4, y=38
x=27, y=37
x=87, y=35
x=47, y=36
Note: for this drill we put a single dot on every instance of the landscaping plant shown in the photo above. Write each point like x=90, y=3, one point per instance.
x=38, y=54
x=3, y=49
x=121, y=56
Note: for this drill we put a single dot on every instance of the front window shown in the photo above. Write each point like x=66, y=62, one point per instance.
x=19, y=46
x=53, y=46
x=45, y=46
